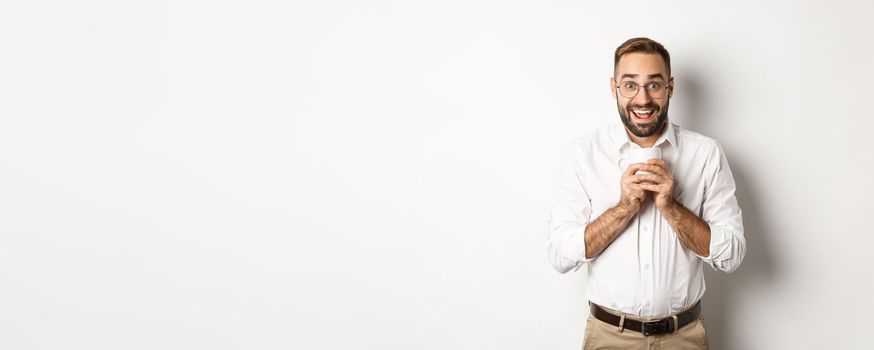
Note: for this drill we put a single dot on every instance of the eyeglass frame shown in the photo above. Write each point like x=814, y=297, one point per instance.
x=637, y=91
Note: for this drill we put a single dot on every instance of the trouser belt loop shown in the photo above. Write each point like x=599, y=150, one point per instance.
x=676, y=324
x=621, y=321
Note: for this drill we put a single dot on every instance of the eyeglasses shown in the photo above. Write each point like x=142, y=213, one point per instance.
x=629, y=89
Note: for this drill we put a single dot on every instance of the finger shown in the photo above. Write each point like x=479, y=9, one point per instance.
x=645, y=177
x=648, y=187
x=659, y=162
x=638, y=190
x=630, y=188
x=635, y=187
x=651, y=187
x=633, y=168
x=653, y=178
x=655, y=168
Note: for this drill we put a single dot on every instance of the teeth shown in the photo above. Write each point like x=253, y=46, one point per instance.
x=642, y=111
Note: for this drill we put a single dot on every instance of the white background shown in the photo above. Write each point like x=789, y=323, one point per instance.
x=377, y=174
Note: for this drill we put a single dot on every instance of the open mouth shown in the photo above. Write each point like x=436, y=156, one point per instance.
x=643, y=114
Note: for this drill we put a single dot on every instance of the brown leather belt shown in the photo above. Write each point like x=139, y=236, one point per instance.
x=655, y=327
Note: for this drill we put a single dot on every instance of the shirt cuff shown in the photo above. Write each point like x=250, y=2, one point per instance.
x=577, y=250
x=720, y=242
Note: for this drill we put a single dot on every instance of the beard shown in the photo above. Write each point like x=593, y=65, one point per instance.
x=648, y=129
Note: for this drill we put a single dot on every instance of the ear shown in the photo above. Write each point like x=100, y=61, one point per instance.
x=671, y=85
x=613, y=87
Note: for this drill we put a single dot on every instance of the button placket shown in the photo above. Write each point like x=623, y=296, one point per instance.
x=647, y=239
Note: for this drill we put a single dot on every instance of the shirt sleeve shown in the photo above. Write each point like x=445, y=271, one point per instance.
x=565, y=239
x=722, y=213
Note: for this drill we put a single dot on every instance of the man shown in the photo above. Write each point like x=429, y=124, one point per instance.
x=644, y=237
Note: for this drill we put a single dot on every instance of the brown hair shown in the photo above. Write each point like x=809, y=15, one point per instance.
x=645, y=45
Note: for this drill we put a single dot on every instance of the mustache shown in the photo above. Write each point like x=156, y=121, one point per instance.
x=652, y=106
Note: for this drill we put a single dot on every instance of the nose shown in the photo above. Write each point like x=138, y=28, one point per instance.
x=642, y=97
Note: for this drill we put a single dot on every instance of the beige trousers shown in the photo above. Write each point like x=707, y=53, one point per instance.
x=601, y=335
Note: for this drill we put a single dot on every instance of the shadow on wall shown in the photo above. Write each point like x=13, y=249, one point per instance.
x=726, y=292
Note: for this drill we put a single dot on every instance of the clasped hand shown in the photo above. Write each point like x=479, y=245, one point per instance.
x=660, y=181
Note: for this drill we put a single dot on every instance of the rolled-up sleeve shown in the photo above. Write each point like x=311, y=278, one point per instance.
x=721, y=212
x=565, y=239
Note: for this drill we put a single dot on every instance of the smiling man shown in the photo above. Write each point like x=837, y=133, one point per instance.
x=645, y=236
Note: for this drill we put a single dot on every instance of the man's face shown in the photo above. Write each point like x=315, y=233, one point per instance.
x=643, y=115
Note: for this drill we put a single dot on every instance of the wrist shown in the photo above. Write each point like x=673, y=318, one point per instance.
x=670, y=205
x=628, y=209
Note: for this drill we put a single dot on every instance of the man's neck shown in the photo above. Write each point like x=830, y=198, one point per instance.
x=646, y=142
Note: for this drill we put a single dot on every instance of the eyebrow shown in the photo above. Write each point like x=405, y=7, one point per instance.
x=651, y=76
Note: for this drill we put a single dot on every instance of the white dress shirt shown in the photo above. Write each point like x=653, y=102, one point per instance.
x=646, y=271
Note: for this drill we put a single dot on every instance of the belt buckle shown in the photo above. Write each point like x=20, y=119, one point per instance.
x=658, y=327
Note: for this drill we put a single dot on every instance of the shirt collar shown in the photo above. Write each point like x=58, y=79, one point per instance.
x=620, y=137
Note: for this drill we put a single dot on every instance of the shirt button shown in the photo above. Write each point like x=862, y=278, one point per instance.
x=647, y=304
x=646, y=266
x=645, y=228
